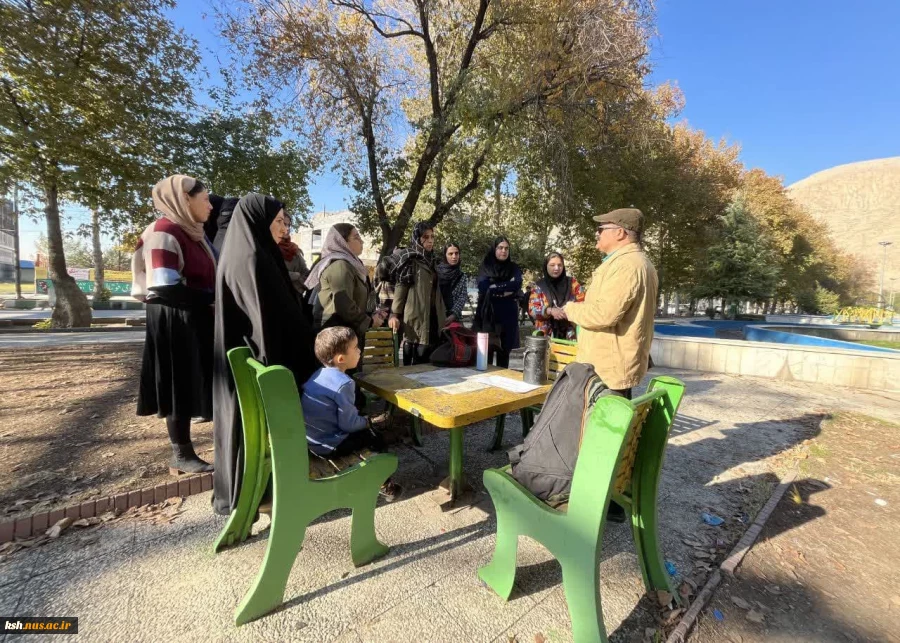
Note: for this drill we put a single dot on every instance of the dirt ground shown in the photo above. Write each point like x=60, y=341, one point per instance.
x=68, y=431
x=825, y=566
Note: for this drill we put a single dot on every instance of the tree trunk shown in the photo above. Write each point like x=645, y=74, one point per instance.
x=17, y=268
x=72, y=309
x=665, y=310
x=498, y=200
x=99, y=283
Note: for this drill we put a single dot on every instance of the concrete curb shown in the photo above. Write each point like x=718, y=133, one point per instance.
x=38, y=523
x=728, y=566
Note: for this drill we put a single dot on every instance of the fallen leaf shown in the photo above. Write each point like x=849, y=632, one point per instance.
x=740, y=602
x=755, y=616
x=95, y=416
x=539, y=638
x=775, y=590
x=673, y=616
x=60, y=526
x=108, y=454
x=109, y=515
x=664, y=597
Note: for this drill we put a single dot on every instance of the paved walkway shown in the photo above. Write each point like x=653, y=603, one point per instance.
x=34, y=340
x=138, y=582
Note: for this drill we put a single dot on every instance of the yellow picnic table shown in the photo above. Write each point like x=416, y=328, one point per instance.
x=452, y=411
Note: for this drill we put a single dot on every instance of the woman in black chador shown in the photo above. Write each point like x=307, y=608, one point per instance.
x=257, y=307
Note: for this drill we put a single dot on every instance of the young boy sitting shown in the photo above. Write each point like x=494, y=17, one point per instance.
x=334, y=426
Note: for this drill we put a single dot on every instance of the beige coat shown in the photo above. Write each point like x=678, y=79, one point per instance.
x=616, y=318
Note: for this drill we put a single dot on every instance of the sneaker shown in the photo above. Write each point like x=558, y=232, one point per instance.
x=390, y=491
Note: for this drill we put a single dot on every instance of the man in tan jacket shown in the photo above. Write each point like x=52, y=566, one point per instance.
x=616, y=317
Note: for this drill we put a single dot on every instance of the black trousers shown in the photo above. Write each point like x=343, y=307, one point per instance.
x=415, y=353
x=365, y=439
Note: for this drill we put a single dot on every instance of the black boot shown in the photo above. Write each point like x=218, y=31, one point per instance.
x=615, y=513
x=184, y=460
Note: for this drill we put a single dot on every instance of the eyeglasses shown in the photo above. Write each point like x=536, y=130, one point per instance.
x=601, y=228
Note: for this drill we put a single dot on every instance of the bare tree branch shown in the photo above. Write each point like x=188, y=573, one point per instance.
x=371, y=16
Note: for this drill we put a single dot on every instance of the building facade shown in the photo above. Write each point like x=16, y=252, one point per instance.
x=7, y=241
x=311, y=236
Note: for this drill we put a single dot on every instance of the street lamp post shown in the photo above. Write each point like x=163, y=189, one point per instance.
x=884, y=245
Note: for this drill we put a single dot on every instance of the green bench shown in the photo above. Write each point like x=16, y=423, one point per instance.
x=275, y=447
x=620, y=459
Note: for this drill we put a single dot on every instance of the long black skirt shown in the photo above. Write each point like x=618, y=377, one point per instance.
x=176, y=374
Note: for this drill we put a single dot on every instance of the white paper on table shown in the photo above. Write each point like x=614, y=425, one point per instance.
x=442, y=377
x=451, y=381
x=508, y=384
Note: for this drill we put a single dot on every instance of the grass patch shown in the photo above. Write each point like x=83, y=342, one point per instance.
x=7, y=288
x=882, y=344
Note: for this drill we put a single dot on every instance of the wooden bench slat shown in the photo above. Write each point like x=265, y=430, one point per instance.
x=563, y=349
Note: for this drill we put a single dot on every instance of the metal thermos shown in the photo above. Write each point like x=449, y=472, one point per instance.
x=537, y=360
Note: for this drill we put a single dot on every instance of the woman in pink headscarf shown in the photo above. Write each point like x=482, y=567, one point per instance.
x=174, y=272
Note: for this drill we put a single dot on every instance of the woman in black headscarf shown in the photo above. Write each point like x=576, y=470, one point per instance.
x=499, y=285
x=550, y=294
x=418, y=308
x=452, y=282
x=256, y=306
x=226, y=210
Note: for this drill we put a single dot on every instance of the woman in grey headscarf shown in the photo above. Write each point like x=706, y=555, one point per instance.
x=342, y=292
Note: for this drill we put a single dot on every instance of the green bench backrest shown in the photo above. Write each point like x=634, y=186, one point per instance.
x=645, y=422
x=269, y=399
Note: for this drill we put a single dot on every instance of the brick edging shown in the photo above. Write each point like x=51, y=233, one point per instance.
x=680, y=633
x=38, y=523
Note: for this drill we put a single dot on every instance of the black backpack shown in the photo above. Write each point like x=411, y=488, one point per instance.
x=545, y=464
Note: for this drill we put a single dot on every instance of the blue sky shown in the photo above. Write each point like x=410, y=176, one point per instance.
x=801, y=85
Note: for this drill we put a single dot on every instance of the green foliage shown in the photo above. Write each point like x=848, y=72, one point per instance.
x=741, y=264
x=118, y=257
x=105, y=295
x=819, y=301
x=78, y=253
x=92, y=104
x=94, y=93
x=238, y=153
x=44, y=324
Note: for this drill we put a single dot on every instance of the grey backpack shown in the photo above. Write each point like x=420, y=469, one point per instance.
x=546, y=462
